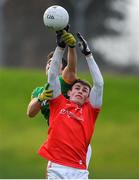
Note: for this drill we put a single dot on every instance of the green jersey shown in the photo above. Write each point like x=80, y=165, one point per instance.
x=45, y=105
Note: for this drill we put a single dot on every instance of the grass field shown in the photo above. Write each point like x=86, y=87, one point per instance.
x=115, y=142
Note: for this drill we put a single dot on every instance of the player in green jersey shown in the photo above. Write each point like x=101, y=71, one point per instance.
x=65, y=82
x=67, y=76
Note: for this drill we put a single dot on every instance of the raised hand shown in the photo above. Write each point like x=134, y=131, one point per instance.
x=68, y=39
x=83, y=45
x=59, y=39
x=46, y=94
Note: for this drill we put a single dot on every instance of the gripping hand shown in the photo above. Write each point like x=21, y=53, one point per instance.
x=83, y=45
x=59, y=39
x=68, y=39
x=46, y=94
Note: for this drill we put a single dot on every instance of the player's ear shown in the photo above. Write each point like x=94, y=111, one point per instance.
x=68, y=93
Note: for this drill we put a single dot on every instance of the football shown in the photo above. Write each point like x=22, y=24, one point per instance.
x=56, y=18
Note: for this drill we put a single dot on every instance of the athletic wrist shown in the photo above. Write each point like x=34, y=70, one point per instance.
x=39, y=100
x=88, y=54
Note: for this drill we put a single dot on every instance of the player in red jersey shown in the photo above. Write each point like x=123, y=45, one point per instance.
x=68, y=76
x=72, y=120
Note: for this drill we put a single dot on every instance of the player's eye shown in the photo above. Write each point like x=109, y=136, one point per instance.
x=77, y=88
x=85, y=90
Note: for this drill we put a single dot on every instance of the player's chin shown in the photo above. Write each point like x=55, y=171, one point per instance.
x=78, y=101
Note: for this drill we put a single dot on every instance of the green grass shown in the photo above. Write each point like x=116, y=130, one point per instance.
x=115, y=142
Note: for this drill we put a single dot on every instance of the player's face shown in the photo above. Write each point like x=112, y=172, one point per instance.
x=79, y=93
x=48, y=66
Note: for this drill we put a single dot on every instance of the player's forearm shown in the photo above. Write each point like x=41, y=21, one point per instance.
x=94, y=70
x=72, y=59
x=69, y=72
x=96, y=94
x=33, y=108
x=53, y=72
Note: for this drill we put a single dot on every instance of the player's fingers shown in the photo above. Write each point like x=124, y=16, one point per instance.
x=48, y=91
x=49, y=98
x=67, y=38
x=80, y=36
x=46, y=86
x=65, y=35
x=70, y=41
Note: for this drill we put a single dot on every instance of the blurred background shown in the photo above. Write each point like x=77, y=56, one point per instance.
x=112, y=30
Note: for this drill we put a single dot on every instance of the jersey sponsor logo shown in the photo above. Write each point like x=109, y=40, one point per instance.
x=72, y=115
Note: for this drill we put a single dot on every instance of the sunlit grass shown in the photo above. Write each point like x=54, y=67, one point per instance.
x=115, y=142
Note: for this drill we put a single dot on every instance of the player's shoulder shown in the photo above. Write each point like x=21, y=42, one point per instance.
x=66, y=81
x=88, y=105
x=62, y=79
x=59, y=99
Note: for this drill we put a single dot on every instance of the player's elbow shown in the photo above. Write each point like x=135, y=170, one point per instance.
x=31, y=113
x=99, y=84
x=33, y=108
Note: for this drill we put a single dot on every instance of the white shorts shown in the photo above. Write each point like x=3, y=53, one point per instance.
x=57, y=171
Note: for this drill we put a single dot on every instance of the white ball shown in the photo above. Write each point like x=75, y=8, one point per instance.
x=56, y=18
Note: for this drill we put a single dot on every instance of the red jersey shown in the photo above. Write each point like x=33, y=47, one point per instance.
x=70, y=131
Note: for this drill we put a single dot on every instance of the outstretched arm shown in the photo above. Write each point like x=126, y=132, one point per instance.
x=69, y=73
x=53, y=72
x=54, y=84
x=96, y=93
x=63, y=38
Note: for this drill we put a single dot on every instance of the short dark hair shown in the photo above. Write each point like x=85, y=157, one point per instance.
x=64, y=61
x=83, y=82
